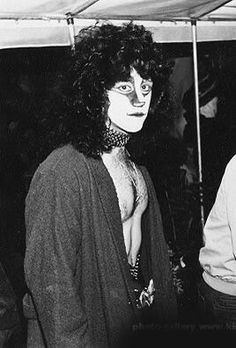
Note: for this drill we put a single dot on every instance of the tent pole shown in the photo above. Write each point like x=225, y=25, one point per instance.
x=195, y=67
x=70, y=22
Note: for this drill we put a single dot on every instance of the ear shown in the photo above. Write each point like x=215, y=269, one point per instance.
x=108, y=122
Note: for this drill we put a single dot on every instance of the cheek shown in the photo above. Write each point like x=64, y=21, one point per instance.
x=118, y=102
x=115, y=99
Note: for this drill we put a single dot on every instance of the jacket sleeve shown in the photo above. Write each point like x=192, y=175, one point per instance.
x=53, y=237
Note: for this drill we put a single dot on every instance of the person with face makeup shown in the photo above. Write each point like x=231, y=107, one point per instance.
x=96, y=262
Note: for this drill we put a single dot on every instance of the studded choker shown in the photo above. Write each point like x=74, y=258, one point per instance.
x=115, y=138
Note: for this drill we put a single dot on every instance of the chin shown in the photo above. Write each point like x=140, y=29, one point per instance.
x=129, y=127
x=134, y=129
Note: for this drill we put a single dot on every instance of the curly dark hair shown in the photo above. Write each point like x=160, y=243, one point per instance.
x=103, y=55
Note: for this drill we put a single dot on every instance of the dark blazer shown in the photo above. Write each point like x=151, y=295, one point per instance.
x=76, y=265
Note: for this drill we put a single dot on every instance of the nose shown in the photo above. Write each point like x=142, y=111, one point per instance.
x=138, y=103
x=136, y=100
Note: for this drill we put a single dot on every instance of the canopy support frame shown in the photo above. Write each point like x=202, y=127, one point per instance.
x=196, y=90
x=71, y=27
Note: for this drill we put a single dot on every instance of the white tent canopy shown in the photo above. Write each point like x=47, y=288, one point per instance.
x=38, y=23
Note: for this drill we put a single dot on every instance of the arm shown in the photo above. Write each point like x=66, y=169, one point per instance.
x=229, y=186
x=52, y=249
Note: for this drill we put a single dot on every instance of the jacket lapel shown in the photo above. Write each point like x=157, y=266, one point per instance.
x=109, y=201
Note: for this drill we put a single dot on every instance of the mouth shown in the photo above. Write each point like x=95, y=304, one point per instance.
x=137, y=114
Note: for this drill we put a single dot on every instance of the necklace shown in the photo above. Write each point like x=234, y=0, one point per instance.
x=114, y=138
x=135, y=268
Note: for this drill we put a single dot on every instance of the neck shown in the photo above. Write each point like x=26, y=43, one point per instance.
x=117, y=155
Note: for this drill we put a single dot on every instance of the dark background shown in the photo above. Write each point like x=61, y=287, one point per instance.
x=27, y=84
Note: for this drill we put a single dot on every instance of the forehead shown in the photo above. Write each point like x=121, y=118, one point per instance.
x=134, y=76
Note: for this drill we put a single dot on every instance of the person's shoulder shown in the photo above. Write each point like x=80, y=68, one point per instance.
x=64, y=171
x=231, y=165
x=63, y=161
x=230, y=170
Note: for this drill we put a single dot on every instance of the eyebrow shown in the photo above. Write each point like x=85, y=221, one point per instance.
x=131, y=79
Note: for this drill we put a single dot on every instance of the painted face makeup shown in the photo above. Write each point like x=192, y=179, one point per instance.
x=129, y=103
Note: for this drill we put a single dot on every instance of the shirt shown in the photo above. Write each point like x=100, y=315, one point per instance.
x=218, y=255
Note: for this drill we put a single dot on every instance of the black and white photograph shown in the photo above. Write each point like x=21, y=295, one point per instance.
x=117, y=173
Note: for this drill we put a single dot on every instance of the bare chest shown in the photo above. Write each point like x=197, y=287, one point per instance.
x=132, y=197
x=130, y=188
